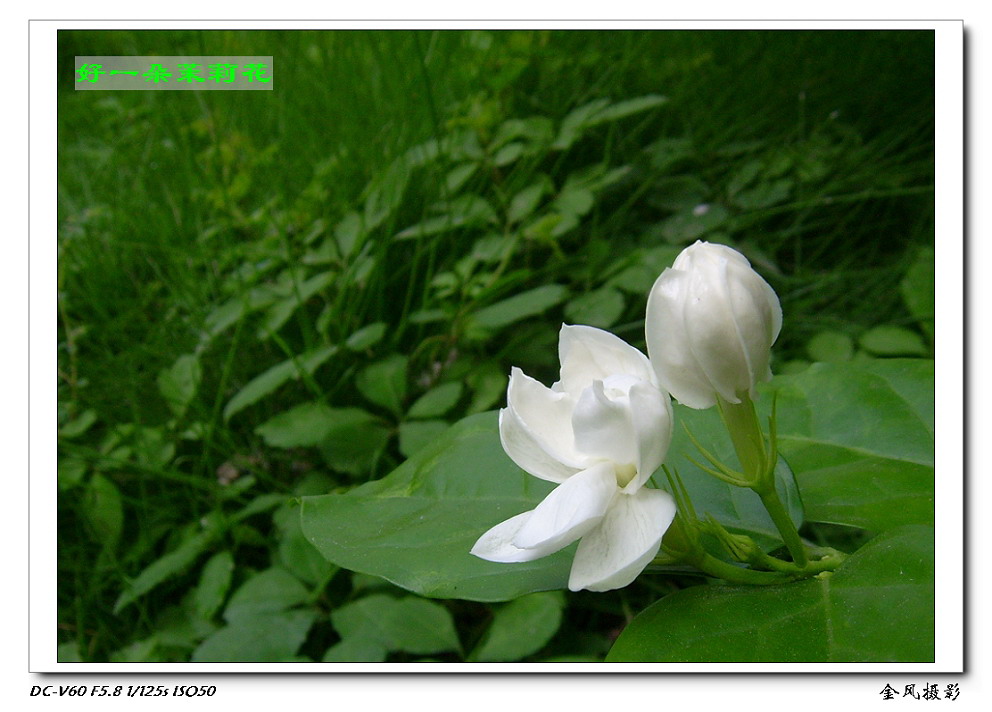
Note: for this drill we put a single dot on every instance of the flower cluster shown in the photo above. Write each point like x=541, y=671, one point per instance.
x=604, y=427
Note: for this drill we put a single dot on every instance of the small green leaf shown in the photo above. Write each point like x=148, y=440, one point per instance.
x=179, y=382
x=151, y=448
x=461, y=212
x=877, y=607
x=280, y=312
x=268, y=591
x=508, y=154
x=521, y=627
x=348, y=233
x=764, y=194
x=71, y=471
x=79, y=425
x=306, y=425
x=641, y=268
x=537, y=130
x=69, y=653
x=142, y=651
x=488, y=385
x=356, y=650
x=667, y=152
x=576, y=121
x=384, y=382
x=523, y=204
x=830, y=346
x=520, y=306
x=602, y=308
x=385, y=193
x=744, y=176
x=353, y=441
x=437, y=401
x=367, y=336
x=892, y=341
x=268, y=637
x=265, y=383
x=163, y=568
x=598, y=112
x=574, y=201
x=629, y=107
x=104, y=510
x=215, y=580
x=409, y=624
x=457, y=176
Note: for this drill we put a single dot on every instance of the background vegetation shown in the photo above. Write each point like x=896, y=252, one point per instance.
x=264, y=295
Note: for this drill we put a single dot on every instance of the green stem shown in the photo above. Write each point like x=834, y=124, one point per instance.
x=742, y=423
x=782, y=520
x=735, y=574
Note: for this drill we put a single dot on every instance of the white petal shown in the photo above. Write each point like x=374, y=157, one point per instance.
x=668, y=342
x=603, y=426
x=497, y=543
x=573, y=508
x=588, y=354
x=713, y=331
x=700, y=252
x=758, y=315
x=651, y=413
x=612, y=555
x=525, y=449
x=546, y=416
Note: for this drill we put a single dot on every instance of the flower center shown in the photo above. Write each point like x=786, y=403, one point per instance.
x=624, y=473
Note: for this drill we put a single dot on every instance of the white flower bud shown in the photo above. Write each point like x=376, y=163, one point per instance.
x=710, y=324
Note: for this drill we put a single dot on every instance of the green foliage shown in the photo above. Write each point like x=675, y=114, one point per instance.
x=407, y=624
x=917, y=290
x=861, y=441
x=270, y=637
x=521, y=627
x=268, y=381
x=256, y=307
x=215, y=579
x=877, y=607
x=415, y=528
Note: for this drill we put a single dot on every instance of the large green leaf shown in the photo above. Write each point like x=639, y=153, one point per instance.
x=416, y=526
x=877, y=607
x=860, y=440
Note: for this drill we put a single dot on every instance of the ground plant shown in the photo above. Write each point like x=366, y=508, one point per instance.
x=288, y=321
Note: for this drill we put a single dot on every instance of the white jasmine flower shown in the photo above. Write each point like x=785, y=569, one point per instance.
x=600, y=431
